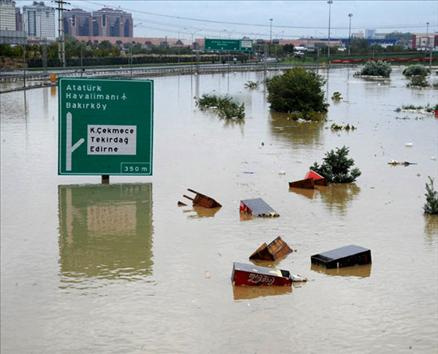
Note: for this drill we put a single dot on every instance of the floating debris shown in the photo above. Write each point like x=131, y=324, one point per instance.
x=257, y=207
x=307, y=183
x=343, y=257
x=250, y=275
x=348, y=127
x=202, y=200
x=276, y=250
x=399, y=163
x=317, y=178
x=409, y=144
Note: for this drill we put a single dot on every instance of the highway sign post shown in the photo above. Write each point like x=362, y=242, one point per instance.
x=105, y=127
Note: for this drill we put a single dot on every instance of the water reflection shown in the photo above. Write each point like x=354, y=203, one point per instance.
x=362, y=271
x=252, y=292
x=307, y=193
x=338, y=196
x=201, y=212
x=296, y=133
x=431, y=225
x=105, y=231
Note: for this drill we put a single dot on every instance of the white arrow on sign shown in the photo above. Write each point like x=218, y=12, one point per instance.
x=69, y=148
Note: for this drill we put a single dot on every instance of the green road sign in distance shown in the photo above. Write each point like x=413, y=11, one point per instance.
x=222, y=45
x=105, y=127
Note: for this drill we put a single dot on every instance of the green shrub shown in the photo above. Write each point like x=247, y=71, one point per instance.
x=336, y=167
x=336, y=96
x=225, y=107
x=376, y=68
x=414, y=70
x=251, y=85
x=297, y=90
x=418, y=81
x=431, y=205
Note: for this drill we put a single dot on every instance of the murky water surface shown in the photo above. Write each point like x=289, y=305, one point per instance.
x=87, y=268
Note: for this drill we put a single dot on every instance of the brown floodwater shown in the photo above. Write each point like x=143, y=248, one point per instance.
x=87, y=268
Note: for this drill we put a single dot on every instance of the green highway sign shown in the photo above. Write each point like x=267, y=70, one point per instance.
x=105, y=127
x=228, y=45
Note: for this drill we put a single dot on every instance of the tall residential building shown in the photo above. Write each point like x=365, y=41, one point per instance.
x=39, y=21
x=112, y=23
x=18, y=20
x=78, y=22
x=7, y=15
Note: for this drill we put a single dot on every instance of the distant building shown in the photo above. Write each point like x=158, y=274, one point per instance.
x=10, y=24
x=7, y=15
x=105, y=22
x=18, y=19
x=112, y=23
x=359, y=35
x=424, y=41
x=370, y=33
x=39, y=21
x=78, y=22
x=143, y=41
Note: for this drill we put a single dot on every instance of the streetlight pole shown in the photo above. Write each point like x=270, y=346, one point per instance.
x=350, y=15
x=429, y=47
x=270, y=35
x=329, y=2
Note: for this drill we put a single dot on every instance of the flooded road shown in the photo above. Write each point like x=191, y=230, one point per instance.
x=121, y=269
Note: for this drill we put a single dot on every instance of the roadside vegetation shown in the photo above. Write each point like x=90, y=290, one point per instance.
x=299, y=93
x=376, y=68
x=431, y=205
x=223, y=106
x=337, y=167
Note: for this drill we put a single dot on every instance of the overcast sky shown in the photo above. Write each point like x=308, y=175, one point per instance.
x=290, y=19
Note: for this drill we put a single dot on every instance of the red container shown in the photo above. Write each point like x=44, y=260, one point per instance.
x=251, y=275
x=317, y=178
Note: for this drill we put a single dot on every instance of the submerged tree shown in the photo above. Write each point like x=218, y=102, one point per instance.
x=337, y=167
x=297, y=90
x=376, y=68
x=431, y=205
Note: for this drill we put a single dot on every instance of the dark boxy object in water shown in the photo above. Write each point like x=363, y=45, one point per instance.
x=307, y=183
x=202, y=200
x=257, y=207
x=343, y=257
x=275, y=250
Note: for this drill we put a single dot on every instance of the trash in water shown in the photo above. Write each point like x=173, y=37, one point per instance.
x=276, y=250
x=202, y=200
x=307, y=183
x=409, y=144
x=250, y=275
x=343, y=257
x=181, y=204
x=257, y=207
x=282, y=173
x=404, y=163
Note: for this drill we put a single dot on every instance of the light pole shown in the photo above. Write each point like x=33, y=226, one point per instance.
x=270, y=35
x=329, y=2
x=429, y=47
x=350, y=15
